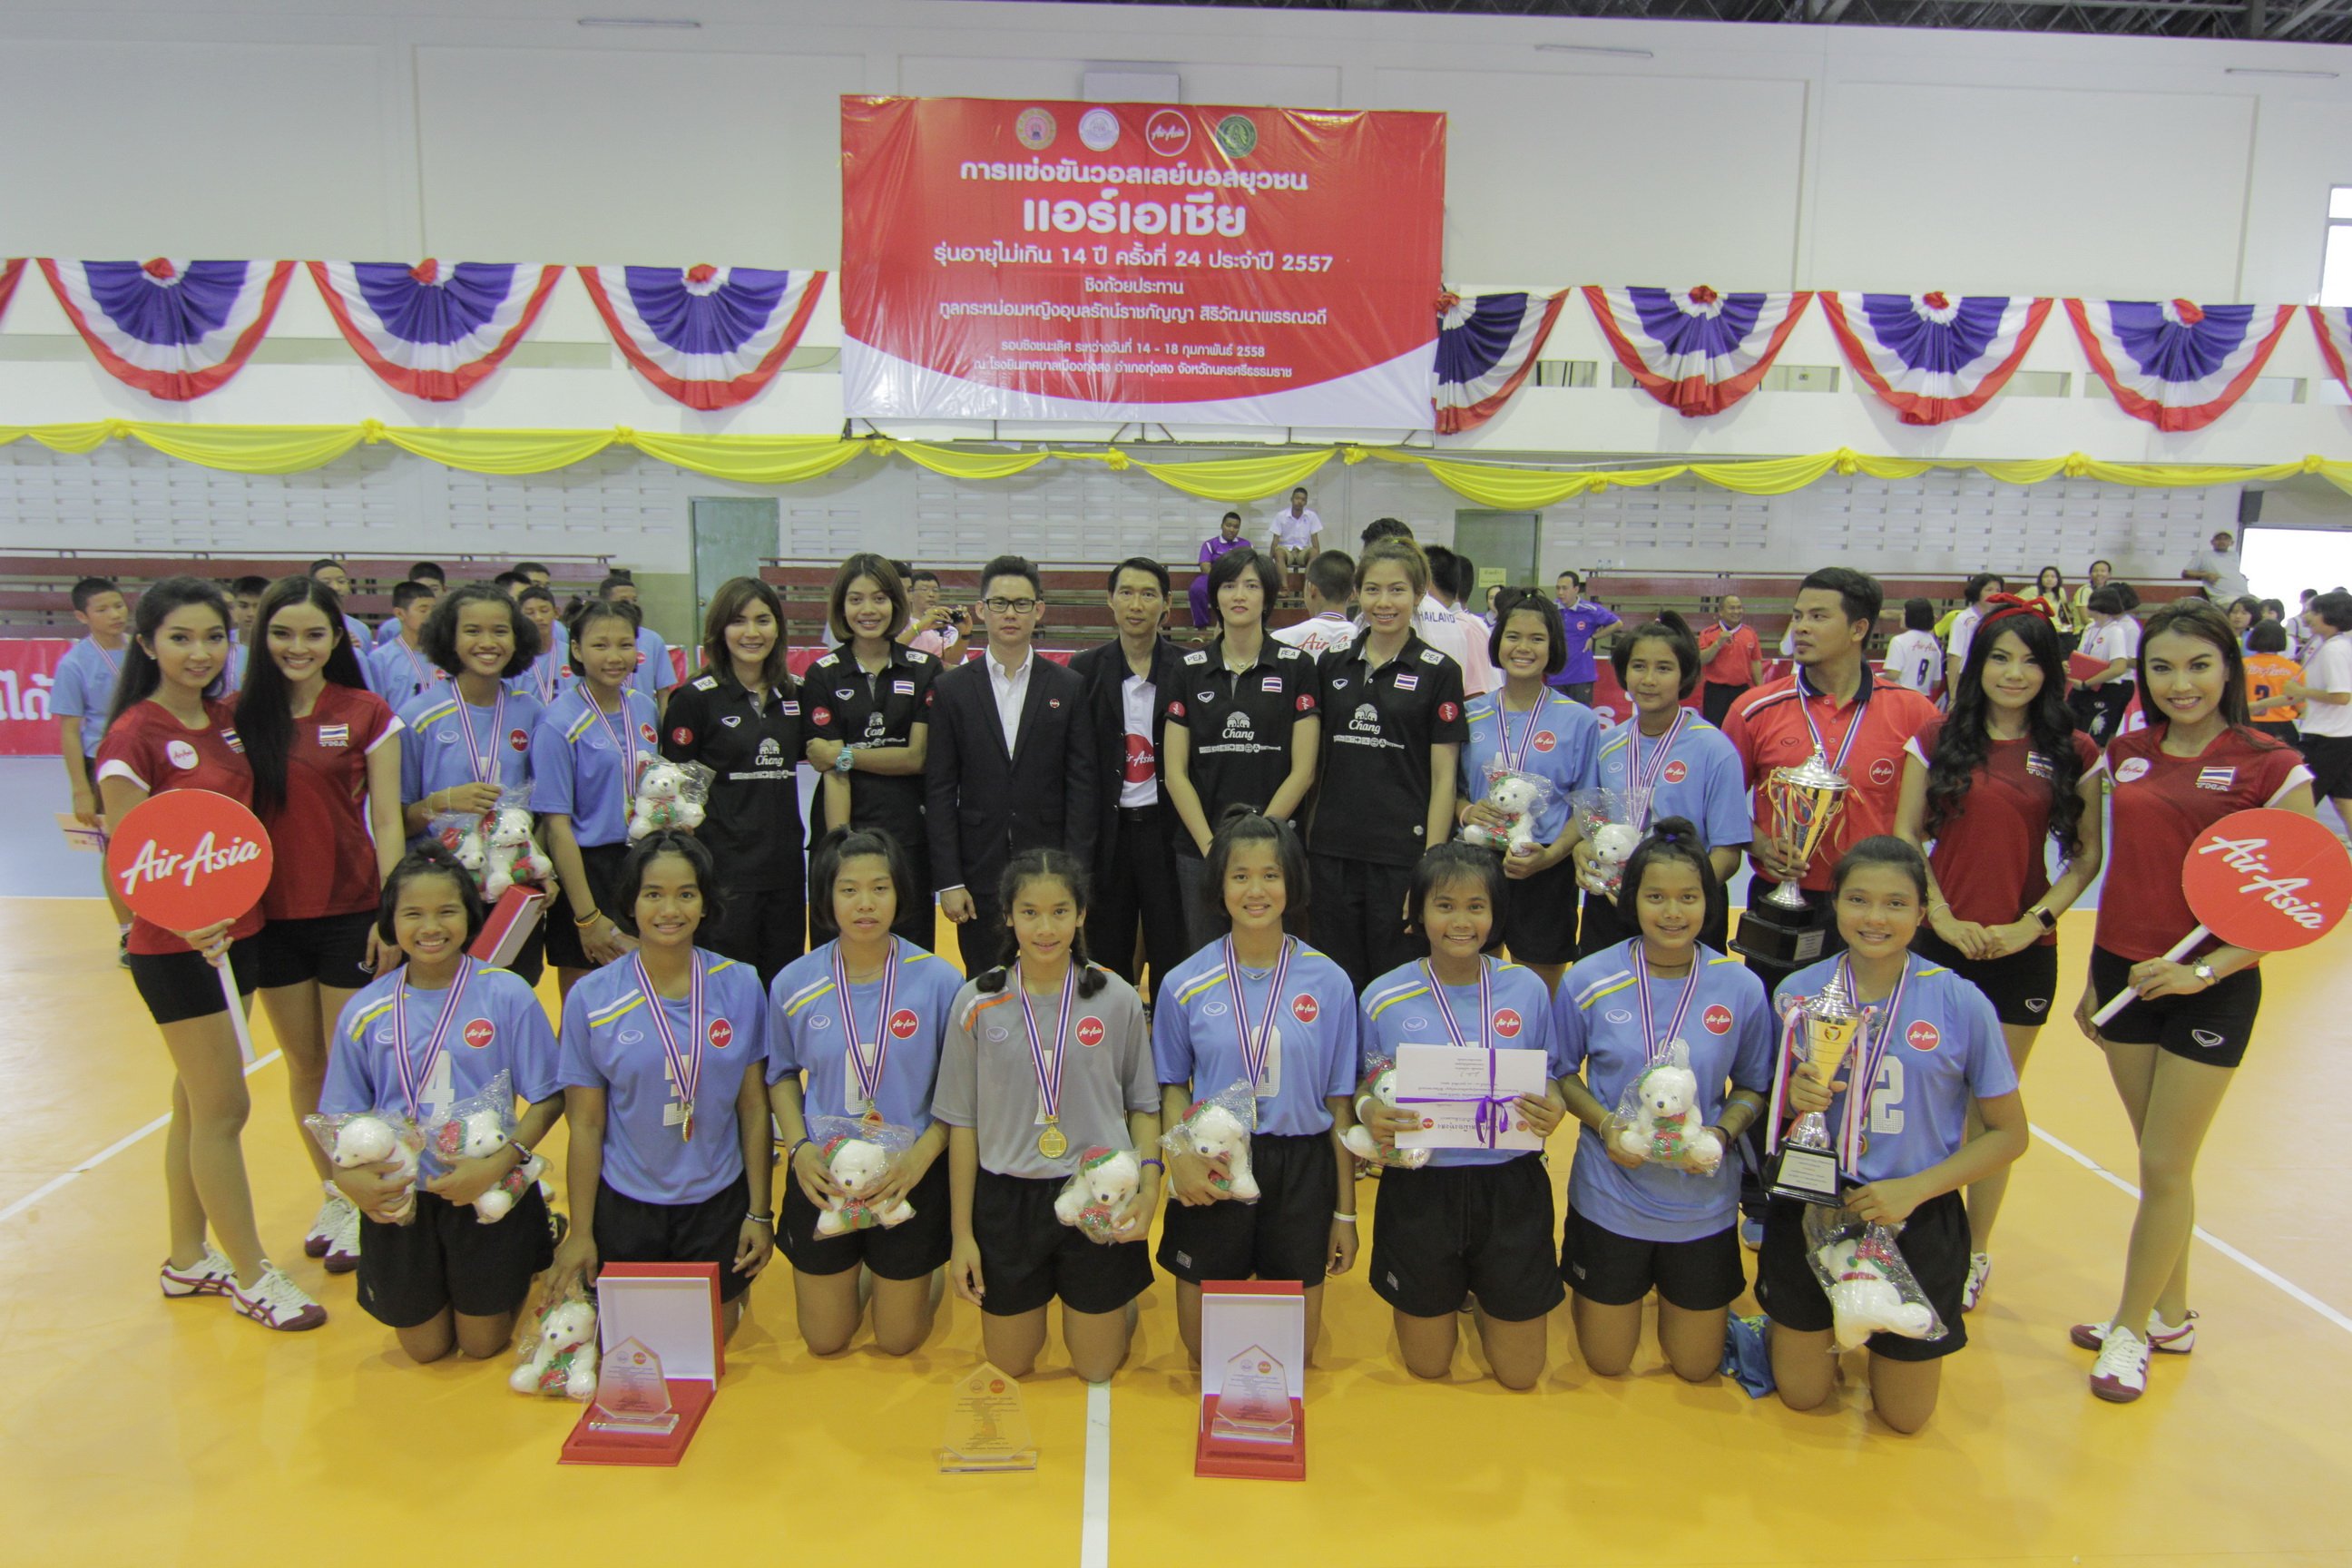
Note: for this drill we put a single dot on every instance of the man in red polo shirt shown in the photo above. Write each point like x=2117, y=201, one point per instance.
x=1830, y=705
x=1733, y=660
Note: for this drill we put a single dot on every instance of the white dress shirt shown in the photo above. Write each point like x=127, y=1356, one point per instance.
x=1011, y=691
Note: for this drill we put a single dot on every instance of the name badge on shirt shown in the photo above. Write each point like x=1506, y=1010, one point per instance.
x=674, y=1113
x=1269, y=1079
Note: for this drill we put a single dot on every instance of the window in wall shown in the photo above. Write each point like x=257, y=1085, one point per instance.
x=2336, y=266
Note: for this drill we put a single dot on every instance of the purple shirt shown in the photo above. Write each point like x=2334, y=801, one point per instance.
x=1582, y=619
x=1203, y=615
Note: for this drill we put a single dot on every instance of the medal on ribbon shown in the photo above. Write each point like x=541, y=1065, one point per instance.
x=415, y=1073
x=869, y=1104
x=1642, y=780
x=481, y=759
x=1052, y=1143
x=1654, y=1047
x=685, y=1066
x=624, y=741
x=1253, y=1062
x=1879, y=1034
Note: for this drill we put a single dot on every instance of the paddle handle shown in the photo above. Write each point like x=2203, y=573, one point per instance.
x=2128, y=996
x=236, y=1019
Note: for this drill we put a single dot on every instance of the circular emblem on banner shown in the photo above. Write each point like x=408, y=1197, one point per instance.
x=2131, y=768
x=1035, y=129
x=1545, y=740
x=721, y=1034
x=1090, y=1031
x=645, y=734
x=903, y=1024
x=181, y=755
x=1237, y=135
x=1506, y=1024
x=1922, y=1036
x=1882, y=772
x=1303, y=1009
x=1675, y=773
x=1098, y=129
x=2267, y=879
x=481, y=1033
x=1168, y=131
x=1717, y=1020
x=518, y=740
x=682, y=736
x=188, y=858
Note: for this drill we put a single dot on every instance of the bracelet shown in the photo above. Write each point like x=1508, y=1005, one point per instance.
x=756, y=1218
x=592, y=917
x=794, y=1152
x=1155, y=1165
x=1343, y=1218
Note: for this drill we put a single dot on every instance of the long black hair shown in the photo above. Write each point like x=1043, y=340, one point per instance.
x=2203, y=619
x=429, y=858
x=265, y=705
x=1242, y=823
x=1029, y=866
x=1964, y=741
x=141, y=673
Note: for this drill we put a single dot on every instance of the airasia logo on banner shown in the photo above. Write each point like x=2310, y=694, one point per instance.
x=188, y=858
x=1218, y=265
x=2267, y=879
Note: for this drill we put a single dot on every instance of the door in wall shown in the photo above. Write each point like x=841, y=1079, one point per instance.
x=1501, y=545
x=731, y=536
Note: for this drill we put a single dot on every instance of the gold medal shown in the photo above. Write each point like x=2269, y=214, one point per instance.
x=686, y=1127
x=1051, y=1142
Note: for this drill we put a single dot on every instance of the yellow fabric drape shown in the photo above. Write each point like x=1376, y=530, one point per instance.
x=794, y=459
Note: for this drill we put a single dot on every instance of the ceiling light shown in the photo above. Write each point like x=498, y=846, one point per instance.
x=682, y=24
x=1593, y=49
x=2266, y=71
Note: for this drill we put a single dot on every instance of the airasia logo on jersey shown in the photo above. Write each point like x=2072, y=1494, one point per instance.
x=1303, y=1009
x=682, y=736
x=1922, y=1036
x=1675, y=773
x=1448, y=712
x=821, y=715
x=645, y=734
x=1717, y=1020
x=903, y=1024
x=481, y=1033
x=1545, y=740
x=721, y=1034
x=1882, y=772
x=1506, y=1024
x=1090, y=1031
x=1139, y=759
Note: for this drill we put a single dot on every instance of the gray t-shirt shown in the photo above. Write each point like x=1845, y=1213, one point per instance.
x=988, y=1080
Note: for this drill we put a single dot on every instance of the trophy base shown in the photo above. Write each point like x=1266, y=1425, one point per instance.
x=1806, y=1177
x=1251, y=1449
x=591, y=1445
x=1784, y=938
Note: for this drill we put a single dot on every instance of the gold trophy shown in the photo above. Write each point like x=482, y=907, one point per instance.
x=1806, y=1166
x=1804, y=800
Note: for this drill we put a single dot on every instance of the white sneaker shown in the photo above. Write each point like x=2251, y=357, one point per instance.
x=277, y=1303
x=2163, y=1338
x=322, y=1229
x=209, y=1276
x=1980, y=1271
x=2120, y=1375
x=343, y=1241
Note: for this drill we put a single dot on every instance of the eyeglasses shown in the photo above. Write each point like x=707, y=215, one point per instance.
x=1008, y=606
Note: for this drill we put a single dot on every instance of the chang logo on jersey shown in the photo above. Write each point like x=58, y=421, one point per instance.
x=1365, y=720
x=1238, y=727
x=877, y=732
x=771, y=754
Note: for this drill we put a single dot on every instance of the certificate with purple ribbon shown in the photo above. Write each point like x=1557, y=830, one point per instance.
x=1463, y=1095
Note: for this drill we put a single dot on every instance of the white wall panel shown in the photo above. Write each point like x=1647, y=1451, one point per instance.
x=1203, y=81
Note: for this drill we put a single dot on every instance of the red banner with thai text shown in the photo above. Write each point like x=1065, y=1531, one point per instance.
x=1016, y=259
x=28, y=666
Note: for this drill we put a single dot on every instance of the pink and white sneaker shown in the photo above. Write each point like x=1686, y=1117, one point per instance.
x=2163, y=1338
x=2120, y=1375
x=277, y=1303
x=210, y=1275
x=322, y=1229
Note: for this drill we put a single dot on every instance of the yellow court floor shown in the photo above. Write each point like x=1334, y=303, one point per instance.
x=134, y=1430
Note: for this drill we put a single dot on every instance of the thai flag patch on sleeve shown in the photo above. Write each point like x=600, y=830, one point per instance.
x=334, y=737
x=2216, y=778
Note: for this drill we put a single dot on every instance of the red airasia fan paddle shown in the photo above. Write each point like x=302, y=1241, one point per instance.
x=189, y=859
x=2268, y=880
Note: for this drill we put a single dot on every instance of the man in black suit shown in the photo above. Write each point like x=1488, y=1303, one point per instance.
x=1010, y=766
x=1129, y=685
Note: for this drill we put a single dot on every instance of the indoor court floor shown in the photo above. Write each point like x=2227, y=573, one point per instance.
x=137, y=1430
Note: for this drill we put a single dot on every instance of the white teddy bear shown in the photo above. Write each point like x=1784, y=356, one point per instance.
x=1218, y=1134
x=1517, y=798
x=1665, y=1124
x=859, y=1165
x=562, y=1359
x=514, y=856
x=476, y=1136
x=1107, y=1180
x=661, y=802
x=1613, y=845
x=1865, y=1301
x=371, y=1141
x=1359, y=1139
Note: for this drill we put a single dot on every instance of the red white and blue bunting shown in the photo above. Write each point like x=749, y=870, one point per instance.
x=2334, y=325
x=1486, y=347
x=433, y=330
x=1929, y=357
x=174, y=330
x=2177, y=364
x=710, y=337
x=1695, y=350
x=10, y=273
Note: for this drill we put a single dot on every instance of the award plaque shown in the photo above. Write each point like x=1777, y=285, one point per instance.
x=988, y=1425
x=1781, y=928
x=632, y=1395
x=1805, y=1165
x=1253, y=1400
x=1252, y=1380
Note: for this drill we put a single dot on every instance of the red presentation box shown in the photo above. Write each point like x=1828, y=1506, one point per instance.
x=671, y=1308
x=1253, y=1330
x=510, y=922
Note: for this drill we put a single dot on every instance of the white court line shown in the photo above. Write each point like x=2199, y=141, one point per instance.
x=1093, y=1526
x=103, y=1155
x=2260, y=1270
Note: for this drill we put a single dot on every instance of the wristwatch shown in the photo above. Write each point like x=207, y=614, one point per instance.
x=841, y=762
x=2205, y=971
x=2049, y=921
